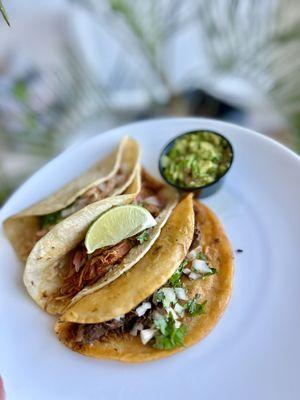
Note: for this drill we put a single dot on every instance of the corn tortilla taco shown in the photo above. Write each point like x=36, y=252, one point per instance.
x=60, y=270
x=108, y=177
x=169, y=300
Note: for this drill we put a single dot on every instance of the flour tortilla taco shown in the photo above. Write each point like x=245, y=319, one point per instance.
x=62, y=268
x=169, y=300
x=108, y=177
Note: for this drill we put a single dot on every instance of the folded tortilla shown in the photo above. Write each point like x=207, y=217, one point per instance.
x=148, y=275
x=108, y=177
x=54, y=257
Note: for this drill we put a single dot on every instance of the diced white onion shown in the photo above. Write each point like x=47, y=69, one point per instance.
x=191, y=255
x=172, y=311
x=136, y=327
x=200, y=266
x=146, y=335
x=179, y=309
x=181, y=294
x=170, y=296
x=157, y=315
x=177, y=324
x=143, y=308
x=186, y=271
x=194, y=276
x=152, y=200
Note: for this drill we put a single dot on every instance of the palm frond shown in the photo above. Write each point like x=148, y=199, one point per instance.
x=3, y=12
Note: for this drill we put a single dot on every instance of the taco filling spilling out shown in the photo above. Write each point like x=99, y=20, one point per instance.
x=111, y=176
x=159, y=320
x=86, y=269
x=97, y=244
x=98, y=192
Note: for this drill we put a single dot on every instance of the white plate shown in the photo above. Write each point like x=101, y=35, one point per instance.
x=254, y=351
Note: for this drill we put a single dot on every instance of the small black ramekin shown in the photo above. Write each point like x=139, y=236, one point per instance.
x=201, y=191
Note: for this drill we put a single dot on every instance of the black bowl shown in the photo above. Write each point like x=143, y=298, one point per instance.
x=205, y=190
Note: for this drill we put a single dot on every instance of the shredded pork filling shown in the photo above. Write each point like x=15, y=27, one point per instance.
x=84, y=270
x=92, y=195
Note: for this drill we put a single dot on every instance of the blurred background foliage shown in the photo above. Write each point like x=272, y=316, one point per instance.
x=72, y=68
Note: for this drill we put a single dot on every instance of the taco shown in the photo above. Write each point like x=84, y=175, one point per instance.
x=60, y=270
x=169, y=300
x=108, y=177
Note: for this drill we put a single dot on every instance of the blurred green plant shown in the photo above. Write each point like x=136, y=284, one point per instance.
x=249, y=39
x=3, y=13
x=258, y=42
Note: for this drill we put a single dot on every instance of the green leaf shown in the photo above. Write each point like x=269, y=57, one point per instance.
x=158, y=297
x=161, y=325
x=175, y=280
x=212, y=272
x=19, y=90
x=201, y=256
x=168, y=336
x=143, y=237
x=50, y=219
x=195, y=308
x=3, y=12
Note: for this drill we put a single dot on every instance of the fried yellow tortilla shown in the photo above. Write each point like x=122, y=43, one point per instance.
x=50, y=274
x=152, y=272
x=108, y=177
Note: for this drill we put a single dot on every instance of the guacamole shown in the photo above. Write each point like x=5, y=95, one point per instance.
x=197, y=159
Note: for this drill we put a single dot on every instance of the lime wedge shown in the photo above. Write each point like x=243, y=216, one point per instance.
x=116, y=225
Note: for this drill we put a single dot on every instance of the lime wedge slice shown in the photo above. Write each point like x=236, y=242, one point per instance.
x=116, y=225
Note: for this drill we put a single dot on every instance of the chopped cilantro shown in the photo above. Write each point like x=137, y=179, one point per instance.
x=166, y=296
x=158, y=296
x=50, y=219
x=168, y=336
x=195, y=308
x=201, y=256
x=143, y=237
x=175, y=280
x=161, y=325
x=212, y=272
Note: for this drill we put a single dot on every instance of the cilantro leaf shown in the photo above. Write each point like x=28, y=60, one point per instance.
x=201, y=256
x=166, y=296
x=161, y=325
x=195, y=308
x=143, y=237
x=175, y=280
x=158, y=296
x=168, y=336
x=50, y=219
x=212, y=272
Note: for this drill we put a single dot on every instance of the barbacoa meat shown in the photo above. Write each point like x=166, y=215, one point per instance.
x=88, y=333
x=197, y=231
x=86, y=270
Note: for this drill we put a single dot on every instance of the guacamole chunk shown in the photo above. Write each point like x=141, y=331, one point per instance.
x=197, y=159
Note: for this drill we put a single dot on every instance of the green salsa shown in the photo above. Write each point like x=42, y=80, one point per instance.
x=197, y=159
